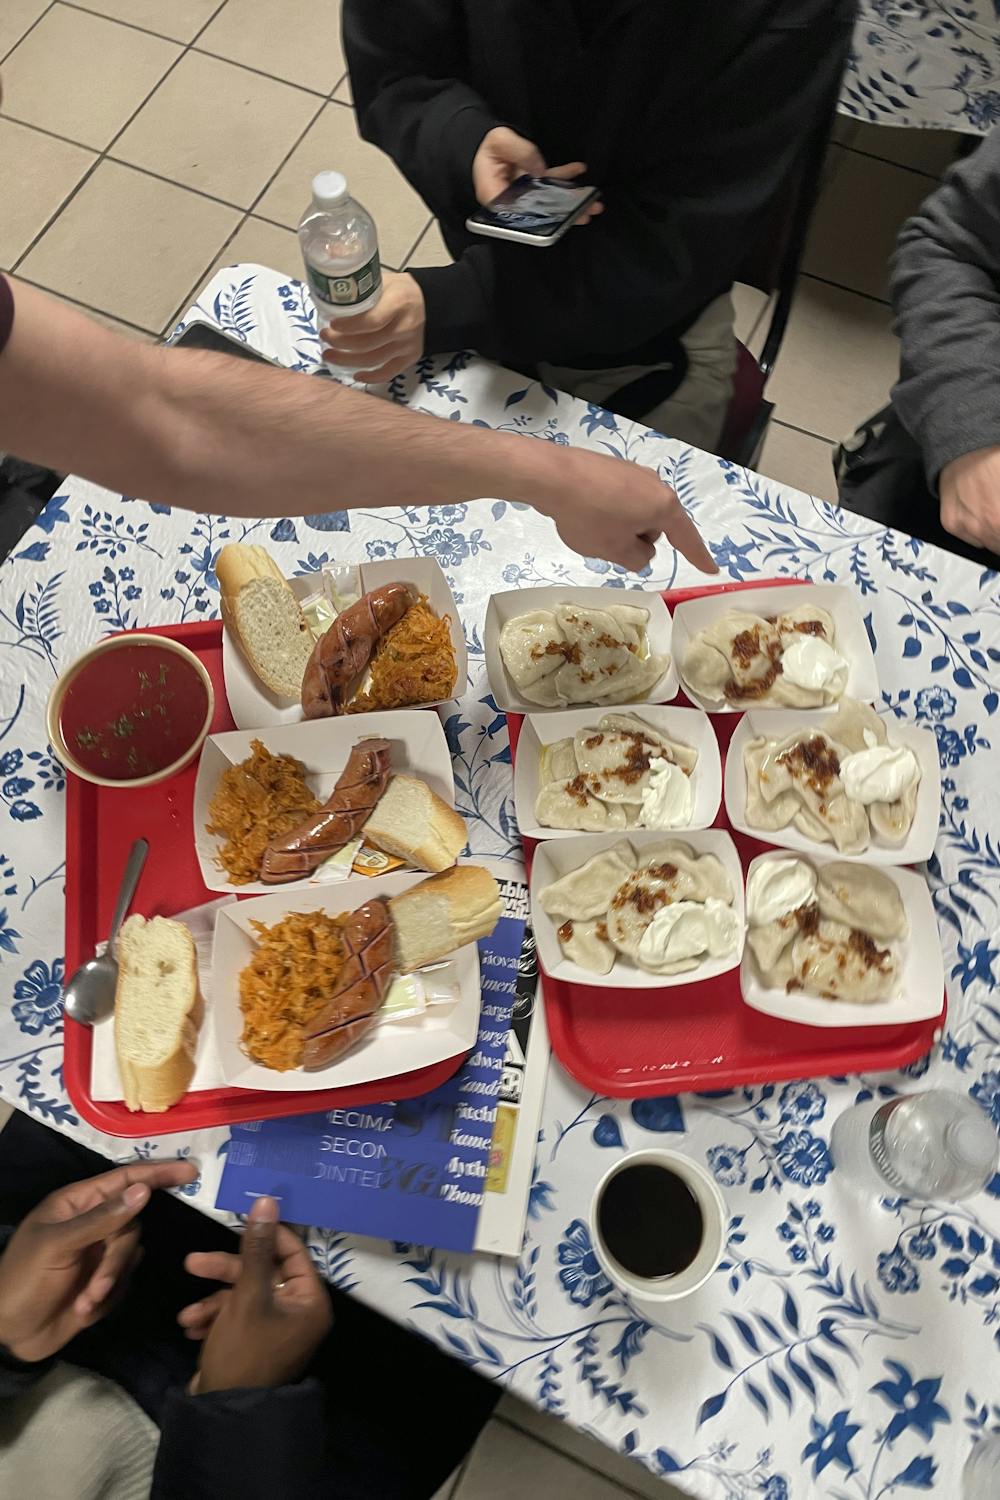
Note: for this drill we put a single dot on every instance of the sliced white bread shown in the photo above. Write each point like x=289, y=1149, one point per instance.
x=263, y=614
x=443, y=913
x=415, y=824
x=157, y=1011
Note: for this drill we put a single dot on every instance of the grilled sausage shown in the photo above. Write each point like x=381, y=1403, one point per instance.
x=344, y=651
x=352, y=1009
x=340, y=819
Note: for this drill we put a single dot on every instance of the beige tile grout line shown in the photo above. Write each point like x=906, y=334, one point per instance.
x=50, y=6
x=116, y=137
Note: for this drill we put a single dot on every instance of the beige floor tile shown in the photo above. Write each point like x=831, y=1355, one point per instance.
x=262, y=244
x=507, y=1462
x=343, y=90
x=82, y=76
x=861, y=210
x=928, y=151
x=130, y=245
x=333, y=141
x=625, y=1472
x=179, y=19
x=53, y=169
x=432, y=250
x=799, y=459
x=15, y=18
x=837, y=363
x=298, y=40
x=218, y=128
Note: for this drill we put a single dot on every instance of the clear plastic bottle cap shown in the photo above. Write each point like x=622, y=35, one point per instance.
x=329, y=189
x=974, y=1143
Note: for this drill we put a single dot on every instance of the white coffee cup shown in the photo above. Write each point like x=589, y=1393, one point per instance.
x=662, y=1289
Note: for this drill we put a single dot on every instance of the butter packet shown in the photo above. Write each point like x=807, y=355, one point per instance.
x=368, y=861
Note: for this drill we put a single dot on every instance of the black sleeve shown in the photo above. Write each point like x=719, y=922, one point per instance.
x=946, y=297
x=686, y=191
x=244, y=1445
x=404, y=57
x=6, y=311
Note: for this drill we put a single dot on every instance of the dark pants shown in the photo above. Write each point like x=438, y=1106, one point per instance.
x=402, y=1415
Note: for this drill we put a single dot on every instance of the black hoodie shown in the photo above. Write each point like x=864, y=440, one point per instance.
x=690, y=115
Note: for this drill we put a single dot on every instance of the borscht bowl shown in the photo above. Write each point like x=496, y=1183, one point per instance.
x=131, y=711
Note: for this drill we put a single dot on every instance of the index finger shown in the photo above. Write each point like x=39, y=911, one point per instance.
x=568, y=169
x=80, y=1197
x=682, y=533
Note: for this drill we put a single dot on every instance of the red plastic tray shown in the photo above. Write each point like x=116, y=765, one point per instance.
x=101, y=824
x=628, y=1043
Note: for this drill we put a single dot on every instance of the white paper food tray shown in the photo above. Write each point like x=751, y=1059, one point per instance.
x=556, y=857
x=443, y=1031
x=842, y=603
x=511, y=603
x=253, y=706
x=922, y=982
x=687, y=725
x=777, y=724
x=419, y=748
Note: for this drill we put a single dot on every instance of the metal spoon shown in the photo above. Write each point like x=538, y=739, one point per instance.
x=90, y=994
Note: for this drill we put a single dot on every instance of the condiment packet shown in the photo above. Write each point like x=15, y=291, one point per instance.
x=343, y=584
x=355, y=859
x=320, y=613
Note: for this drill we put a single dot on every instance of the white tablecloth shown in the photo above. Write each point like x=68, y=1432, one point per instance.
x=926, y=64
x=836, y=1351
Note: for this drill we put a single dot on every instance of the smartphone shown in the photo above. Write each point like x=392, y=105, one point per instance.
x=206, y=336
x=532, y=211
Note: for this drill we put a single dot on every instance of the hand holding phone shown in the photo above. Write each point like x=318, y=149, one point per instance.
x=533, y=210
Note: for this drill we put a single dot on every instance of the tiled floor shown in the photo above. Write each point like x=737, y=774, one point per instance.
x=187, y=141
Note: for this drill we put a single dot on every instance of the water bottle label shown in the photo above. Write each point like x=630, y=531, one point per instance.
x=876, y=1141
x=346, y=291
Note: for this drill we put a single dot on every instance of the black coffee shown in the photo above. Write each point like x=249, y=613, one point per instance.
x=650, y=1221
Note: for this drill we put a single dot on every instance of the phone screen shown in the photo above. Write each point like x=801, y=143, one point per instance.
x=535, y=205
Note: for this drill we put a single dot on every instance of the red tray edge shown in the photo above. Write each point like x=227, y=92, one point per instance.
x=919, y=1036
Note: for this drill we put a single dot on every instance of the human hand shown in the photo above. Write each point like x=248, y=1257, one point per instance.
x=72, y=1254
x=387, y=339
x=969, y=488
x=504, y=155
x=263, y=1328
x=607, y=507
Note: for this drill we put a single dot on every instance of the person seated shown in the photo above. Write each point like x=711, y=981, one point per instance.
x=690, y=118
x=254, y=1397
x=929, y=464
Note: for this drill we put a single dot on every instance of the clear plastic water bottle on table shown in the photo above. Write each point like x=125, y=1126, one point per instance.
x=339, y=245
x=937, y=1145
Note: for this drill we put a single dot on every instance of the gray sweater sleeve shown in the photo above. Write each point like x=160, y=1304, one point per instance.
x=946, y=297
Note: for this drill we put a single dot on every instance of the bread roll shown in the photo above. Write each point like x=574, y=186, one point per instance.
x=415, y=824
x=443, y=913
x=157, y=1011
x=263, y=614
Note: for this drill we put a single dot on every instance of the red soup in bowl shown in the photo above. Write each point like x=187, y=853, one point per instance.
x=131, y=711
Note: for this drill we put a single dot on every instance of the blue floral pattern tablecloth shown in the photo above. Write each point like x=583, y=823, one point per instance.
x=840, y=1349
x=928, y=64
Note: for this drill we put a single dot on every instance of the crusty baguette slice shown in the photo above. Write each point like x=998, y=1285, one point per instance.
x=415, y=824
x=443, y=913
x=261, y=610
x=157, y=1011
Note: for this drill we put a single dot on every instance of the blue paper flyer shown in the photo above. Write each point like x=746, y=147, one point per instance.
x=414, y=1170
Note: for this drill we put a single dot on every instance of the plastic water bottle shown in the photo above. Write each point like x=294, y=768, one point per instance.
x=934, y=1145
x=981, y=1476
x=340, y=248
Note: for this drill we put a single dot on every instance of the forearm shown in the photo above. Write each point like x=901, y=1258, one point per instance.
x=208, y=433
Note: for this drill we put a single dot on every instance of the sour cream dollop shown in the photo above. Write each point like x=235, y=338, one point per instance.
x=777, y=887
x=689, y=929
x=810, y=663
x=668, y=798
x=881, y=773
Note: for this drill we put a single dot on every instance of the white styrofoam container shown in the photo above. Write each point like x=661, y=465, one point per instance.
x=253, y=706
x=443, y=1031
x=777, y=724
x=689, y=726
x=556, y=857
x=510, y=603
x=419, y=748
x=922, y=983
x=842, y=603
